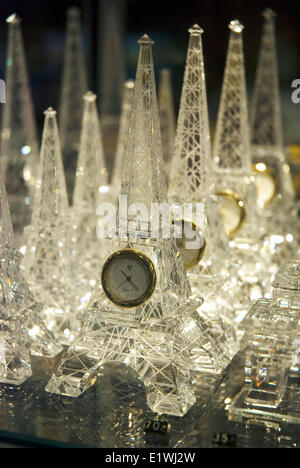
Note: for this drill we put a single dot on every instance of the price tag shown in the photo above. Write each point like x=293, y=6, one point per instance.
x=156, y=426
x=225, y=439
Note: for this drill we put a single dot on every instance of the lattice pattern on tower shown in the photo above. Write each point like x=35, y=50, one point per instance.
x=191, y=164
x=231, y=145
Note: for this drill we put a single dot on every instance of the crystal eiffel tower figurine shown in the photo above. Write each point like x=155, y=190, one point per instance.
x=91, y=188
x=74, y=85
x=15, y=366
x=19, y=146
x=122, y=137
x=231, y=152
x=139, y=313
x=112, y=75
x=271, y=345
x=46, y=259
x=22, y=331
x=166, y=116
x=191, y=182
x=265, y=122
x=275, y=191
x=233, y=181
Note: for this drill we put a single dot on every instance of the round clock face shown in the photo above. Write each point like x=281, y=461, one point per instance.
x=128, y=278
x=232, y=211
x=266, y=184
x=191, y=244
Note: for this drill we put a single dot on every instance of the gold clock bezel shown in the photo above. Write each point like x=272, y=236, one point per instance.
x=227, y=193
x=201, y=250
x=152, y=274
x=270, y=172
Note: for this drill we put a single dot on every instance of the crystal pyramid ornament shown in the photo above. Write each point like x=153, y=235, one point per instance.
x=19, y=146
x=166, y=115
x=91, y=188
x=273, y=178
x=111, y=73
x=74, y=85
x=122, y=137
x=191, y=182
x=234, y=183
x=271, y=345
x=139, y=314
x=47, y=256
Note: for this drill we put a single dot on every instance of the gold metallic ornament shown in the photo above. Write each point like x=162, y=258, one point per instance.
x=266, y=183
x=191, y=256
x=128, y=278
x=233, y=212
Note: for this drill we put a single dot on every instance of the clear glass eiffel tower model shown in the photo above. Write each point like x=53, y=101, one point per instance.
x=271, y=344
x=46, y=259
x=74, y=85
x=234, y=182
x=166, y=116
x=140, y=313
x=22, y=332
x=91, y=188
x=275, y=191
x=122, y=137
x=111, y=72
x=190, y=182
x=15, y=366
x=19, y=145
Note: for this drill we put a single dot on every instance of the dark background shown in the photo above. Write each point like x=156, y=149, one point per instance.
x=166, y=22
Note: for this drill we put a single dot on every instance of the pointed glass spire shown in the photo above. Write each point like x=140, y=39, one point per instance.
x=231, y=145
x=265, y=118
x=123, y=133
x=111, y=73
x=91, y=174
x=47, y=259
x=111, y=65
x=91, y=187
x=166, y=115
x=74, y=85
x=266, y=127
x=191, y=164
x=19, y=146
x=143, y=177
x=51, y=201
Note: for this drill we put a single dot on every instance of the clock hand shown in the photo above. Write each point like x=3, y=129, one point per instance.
x=134, y=285
x=126, y=279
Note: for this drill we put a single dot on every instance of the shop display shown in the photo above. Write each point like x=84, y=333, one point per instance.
x=150, y=279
